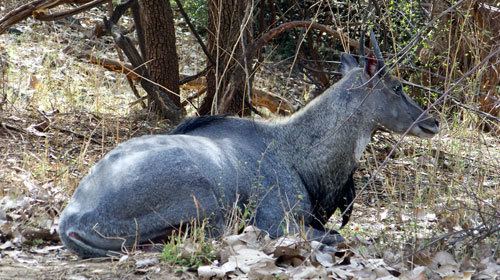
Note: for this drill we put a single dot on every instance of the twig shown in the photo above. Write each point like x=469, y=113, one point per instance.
x=7, y=127
x=195, y=33
x=188, y=79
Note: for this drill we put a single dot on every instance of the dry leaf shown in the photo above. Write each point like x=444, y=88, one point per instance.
x=308, y=272
x=418, y=273
x=146, y=262
x=324, y=259
x=34, y=82
x=247, y=257
x=265, y=270
x=445, y=265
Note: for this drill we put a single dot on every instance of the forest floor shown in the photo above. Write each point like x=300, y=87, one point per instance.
x=432, y=211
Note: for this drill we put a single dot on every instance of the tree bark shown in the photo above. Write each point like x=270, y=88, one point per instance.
x=160, y=52
x=226, y=91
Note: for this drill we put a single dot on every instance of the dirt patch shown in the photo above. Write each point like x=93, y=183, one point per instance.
x=60, y=264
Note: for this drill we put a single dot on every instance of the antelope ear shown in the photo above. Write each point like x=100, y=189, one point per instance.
x=347, y=63
x=371, y=66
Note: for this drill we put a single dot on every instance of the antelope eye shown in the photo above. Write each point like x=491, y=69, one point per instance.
x=397, y=89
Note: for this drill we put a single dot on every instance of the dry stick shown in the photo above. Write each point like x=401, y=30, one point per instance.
x=125, y=68
x=195, y=33
x=303, y=35
x=120, y=10
x=248, y=77
x=111, y=65
x=40, y=15
x=188, y=79
x=36, y=8
x=18, y=14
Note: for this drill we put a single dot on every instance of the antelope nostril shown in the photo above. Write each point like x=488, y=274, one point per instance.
x=74, y=235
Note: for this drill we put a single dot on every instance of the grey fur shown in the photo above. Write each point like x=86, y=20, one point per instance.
x=293, y=171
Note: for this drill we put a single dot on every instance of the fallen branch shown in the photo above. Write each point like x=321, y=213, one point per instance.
x=276, y=104
x=111, y=65
x=38, y=9
x=41, y=14
x=127, y=69
x=19, y=14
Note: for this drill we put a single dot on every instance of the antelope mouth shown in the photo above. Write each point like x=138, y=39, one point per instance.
x=89, y=246
x=427, y=131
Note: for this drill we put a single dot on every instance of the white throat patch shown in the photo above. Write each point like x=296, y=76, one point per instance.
x=360, y=147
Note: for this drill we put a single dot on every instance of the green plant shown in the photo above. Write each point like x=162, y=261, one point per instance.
x=190, y=249
x=197, y=11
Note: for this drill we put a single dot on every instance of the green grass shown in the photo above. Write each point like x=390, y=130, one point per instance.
x=190, y=250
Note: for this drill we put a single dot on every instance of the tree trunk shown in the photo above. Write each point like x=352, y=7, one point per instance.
x=226, y=81
x=160, y=52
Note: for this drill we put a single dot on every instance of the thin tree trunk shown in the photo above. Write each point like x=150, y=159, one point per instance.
x=159, y=43
x=226, y=92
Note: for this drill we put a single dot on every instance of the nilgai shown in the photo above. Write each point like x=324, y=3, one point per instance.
x=291, y=173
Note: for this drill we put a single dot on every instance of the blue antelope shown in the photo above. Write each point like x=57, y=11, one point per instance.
x=294, y=172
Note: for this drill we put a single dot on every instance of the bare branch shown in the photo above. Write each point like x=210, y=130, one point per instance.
x=111, y=65
x=19, y=14
x=42, y=15
x=37, y=8
x=271, y=34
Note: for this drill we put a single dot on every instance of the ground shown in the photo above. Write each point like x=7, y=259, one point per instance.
x=418, y=199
